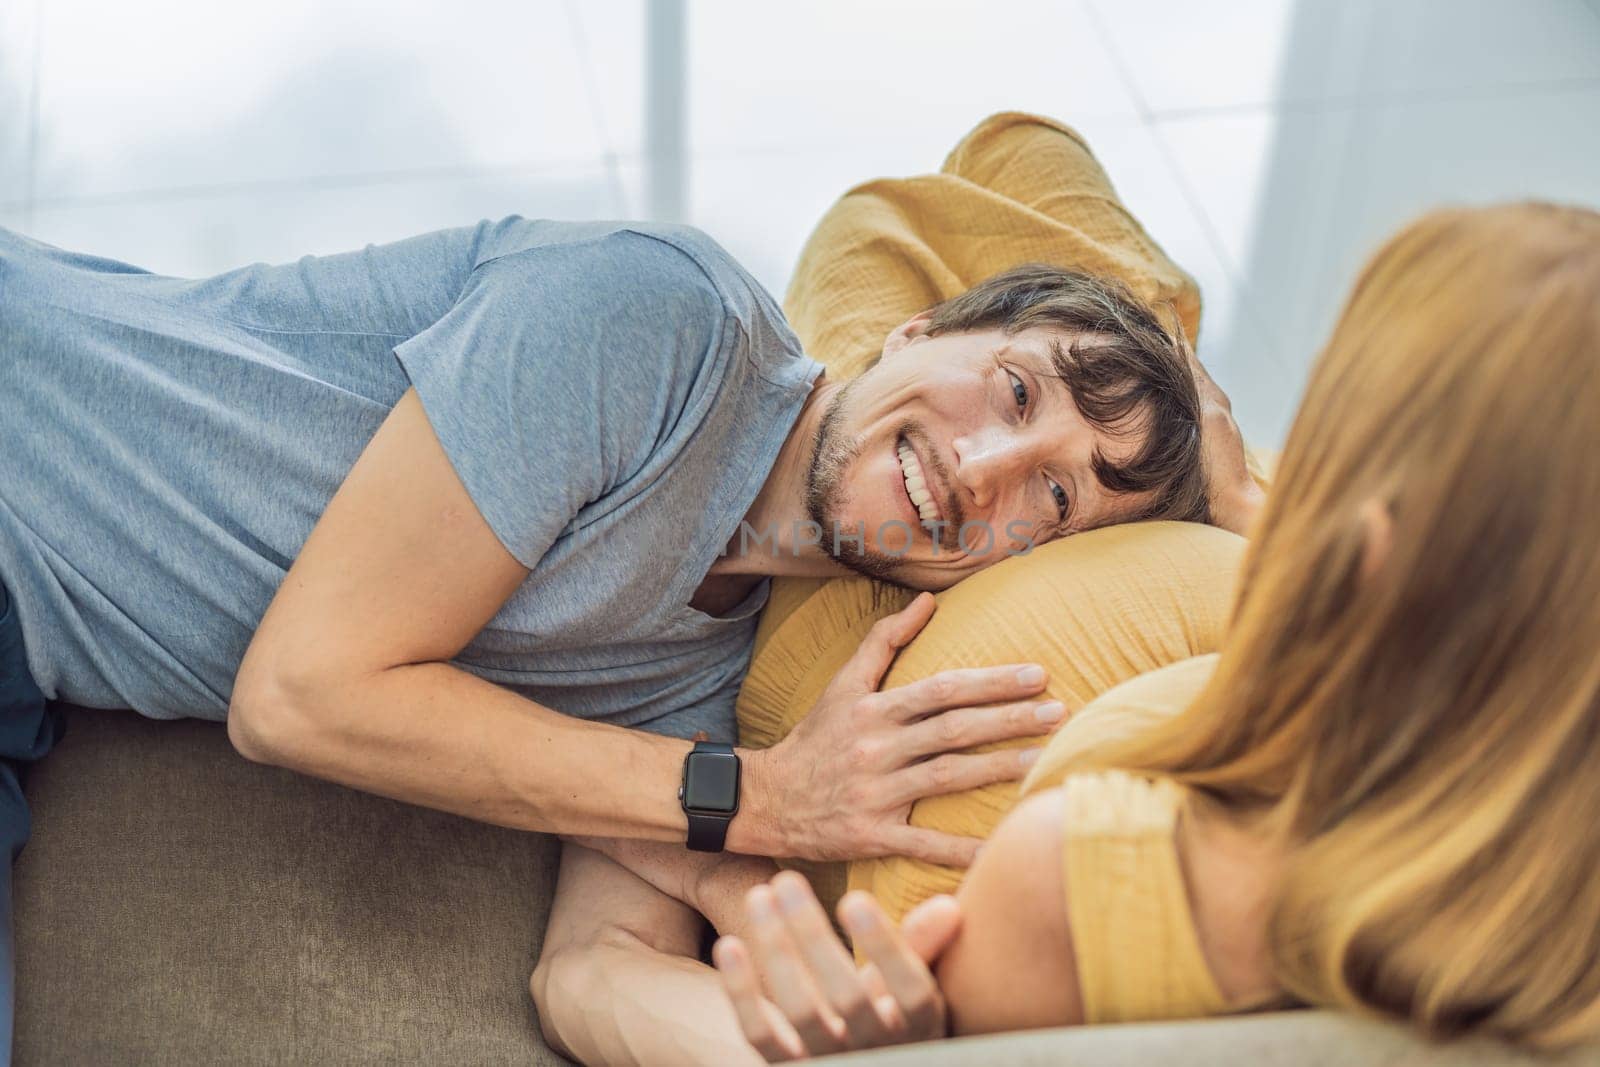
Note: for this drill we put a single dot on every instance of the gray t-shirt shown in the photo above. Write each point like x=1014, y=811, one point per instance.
x=611, y=395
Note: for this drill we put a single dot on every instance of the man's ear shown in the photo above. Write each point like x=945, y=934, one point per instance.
x=1377, y=537
x=908, y=331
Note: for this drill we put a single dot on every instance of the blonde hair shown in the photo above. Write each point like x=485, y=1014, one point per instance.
x=1421, y=729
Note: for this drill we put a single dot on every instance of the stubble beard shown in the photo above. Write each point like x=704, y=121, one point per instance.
x=832, y=456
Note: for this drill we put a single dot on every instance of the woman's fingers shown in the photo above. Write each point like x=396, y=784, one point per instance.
x=888, y=1010
x=816, y=1000
x=789, y=980
x=905, y=974
x=930, y=927
x=767, y=1034
x=832, y=968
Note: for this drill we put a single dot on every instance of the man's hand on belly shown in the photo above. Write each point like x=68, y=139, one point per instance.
x=841, y=786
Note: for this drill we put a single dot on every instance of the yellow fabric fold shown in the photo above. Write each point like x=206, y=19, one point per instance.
x=1137, y=949
x=1094, y=610
x=1018, y=189
x=1133, y=934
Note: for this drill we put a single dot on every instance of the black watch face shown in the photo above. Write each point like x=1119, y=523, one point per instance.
x=712, y=783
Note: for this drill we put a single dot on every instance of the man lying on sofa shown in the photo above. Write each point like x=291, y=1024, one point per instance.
x=439, y=519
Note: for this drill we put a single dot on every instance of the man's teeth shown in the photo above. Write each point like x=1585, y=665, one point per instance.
x=916, y=485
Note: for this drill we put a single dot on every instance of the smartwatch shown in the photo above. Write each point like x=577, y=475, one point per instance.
x=709, y=794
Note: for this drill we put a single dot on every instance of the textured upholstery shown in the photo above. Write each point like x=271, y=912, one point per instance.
x=178, y=905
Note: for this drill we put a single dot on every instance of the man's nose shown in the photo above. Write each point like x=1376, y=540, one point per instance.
x=986, y=460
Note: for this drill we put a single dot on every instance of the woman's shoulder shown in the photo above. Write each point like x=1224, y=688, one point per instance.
x=1160, y=881
x=1018, y=927
x=1101, y=900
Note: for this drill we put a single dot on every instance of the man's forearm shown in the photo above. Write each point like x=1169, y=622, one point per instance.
x=840, y=785
x=714, y=885
x=435, y=735
x=617, y=979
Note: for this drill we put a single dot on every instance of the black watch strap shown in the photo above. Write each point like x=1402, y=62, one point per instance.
x=708, y=827
x=708, y=833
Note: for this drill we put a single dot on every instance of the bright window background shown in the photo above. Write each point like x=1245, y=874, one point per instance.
x=1267, y=144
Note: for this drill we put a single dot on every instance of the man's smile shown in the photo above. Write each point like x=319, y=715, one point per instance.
x=917, y=483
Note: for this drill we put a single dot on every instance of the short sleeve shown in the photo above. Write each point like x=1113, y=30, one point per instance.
x=712, y=716
x=559, y=370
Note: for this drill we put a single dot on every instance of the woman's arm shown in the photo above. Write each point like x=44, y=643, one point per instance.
x=617, y=981
x=1012, y=966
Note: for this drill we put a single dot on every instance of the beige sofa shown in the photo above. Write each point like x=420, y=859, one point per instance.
x=179, y=905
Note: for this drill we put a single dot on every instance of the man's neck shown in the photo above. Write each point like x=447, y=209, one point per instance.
x=773, y=540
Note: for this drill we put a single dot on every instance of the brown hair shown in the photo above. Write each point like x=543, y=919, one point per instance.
x=1421, y=729
x=1126, y=372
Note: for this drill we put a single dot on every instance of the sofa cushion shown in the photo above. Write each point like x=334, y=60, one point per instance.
x=180, y=905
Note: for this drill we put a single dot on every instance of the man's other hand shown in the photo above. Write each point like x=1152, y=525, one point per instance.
x=1232, y=492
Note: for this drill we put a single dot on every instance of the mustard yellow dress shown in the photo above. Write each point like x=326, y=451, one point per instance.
x=1133, y=933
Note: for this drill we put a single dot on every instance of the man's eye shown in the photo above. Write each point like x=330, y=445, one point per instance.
x=1060, y=495
x=1018, y=390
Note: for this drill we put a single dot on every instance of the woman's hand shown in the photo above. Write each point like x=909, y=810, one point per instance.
x=842, y=784
x=799, y=993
